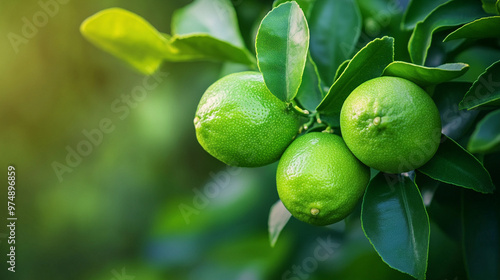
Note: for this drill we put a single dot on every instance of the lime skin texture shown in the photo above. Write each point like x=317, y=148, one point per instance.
x=241, y=123
x=391, y=124
x=319, y=180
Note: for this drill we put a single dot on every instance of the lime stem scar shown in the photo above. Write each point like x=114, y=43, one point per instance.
x=314, y=211
x=376, y=121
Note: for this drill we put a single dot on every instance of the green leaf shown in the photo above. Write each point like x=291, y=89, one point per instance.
x=126, y=36
x=485, y=91
x=455, y=123
x=282, y=45
x=367, y=64
x=482, y=28
x=417, y=10
x=453, y=164
x=205, y=47
x=214, y=17
x=486, y=136
x=335, y=30
x=278, y=218
x=310, y=93
x=395, y=221
x=452, y=13
x=341, y=69
x=491, y=6
x=207, y=29
x=425, y=76
x=481, y=235
x=305, y=5
x=479, y=58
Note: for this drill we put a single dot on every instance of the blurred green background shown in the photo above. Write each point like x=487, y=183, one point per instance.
x=117, y=214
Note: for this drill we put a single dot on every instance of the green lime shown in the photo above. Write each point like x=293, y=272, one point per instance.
x=241, y=123
x=391, y=124
x=319, y=180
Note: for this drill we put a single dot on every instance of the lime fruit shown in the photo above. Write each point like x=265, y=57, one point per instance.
x=241, y=123
x=319, y=180
x=391, y=124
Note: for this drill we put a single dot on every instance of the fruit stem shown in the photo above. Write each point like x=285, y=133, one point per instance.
x=329, y=129
x=311, y=121
x=300, y=111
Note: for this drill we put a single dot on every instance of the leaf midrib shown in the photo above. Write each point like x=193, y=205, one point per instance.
x=363, y=66
x=410, y=222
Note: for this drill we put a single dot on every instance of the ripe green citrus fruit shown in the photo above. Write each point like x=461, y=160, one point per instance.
x=319, y=180
x=241, y=123
x=391, y=124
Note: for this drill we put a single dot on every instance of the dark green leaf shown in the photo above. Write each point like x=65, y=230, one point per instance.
x=305, y=5
x=395, y=221
x=481, y=238
x=282, y=45
x=486, y=137
x=452, y=164
x=424, y=76
x=479, y=58
x=128, y=37
x=214, y=17
x=335, y=29
x=455, y=123
x=341, y=69
x=452, y=13
x=278, y=218
x=491, y=6
x=203, y=46
x=485, y=91
x=417, y=10
x=445, y=205
x=482, y=28
x=310, y=93
x=367, y=64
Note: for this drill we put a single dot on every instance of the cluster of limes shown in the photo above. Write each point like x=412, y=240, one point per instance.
x=388, y=123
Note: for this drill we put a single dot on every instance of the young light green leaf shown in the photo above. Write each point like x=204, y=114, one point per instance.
x=310, y=93
x=126, y=36
x=278, y=218
x=335, y=30
x=203, y=46
x=453, y=164
x=282, y=45
x=207, y=29
x=452, y=13
x=305, y=5
x=417, y=10
x=486, y=136
x=481, y=235
x=214, y=17
x=394, y=219
x=341, y=69
x=486, y=27
x=367, y=64
x=485, y=91
x=425, y=76
x=491, y=6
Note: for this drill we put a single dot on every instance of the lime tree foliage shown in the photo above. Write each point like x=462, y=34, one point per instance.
x=305, y=60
